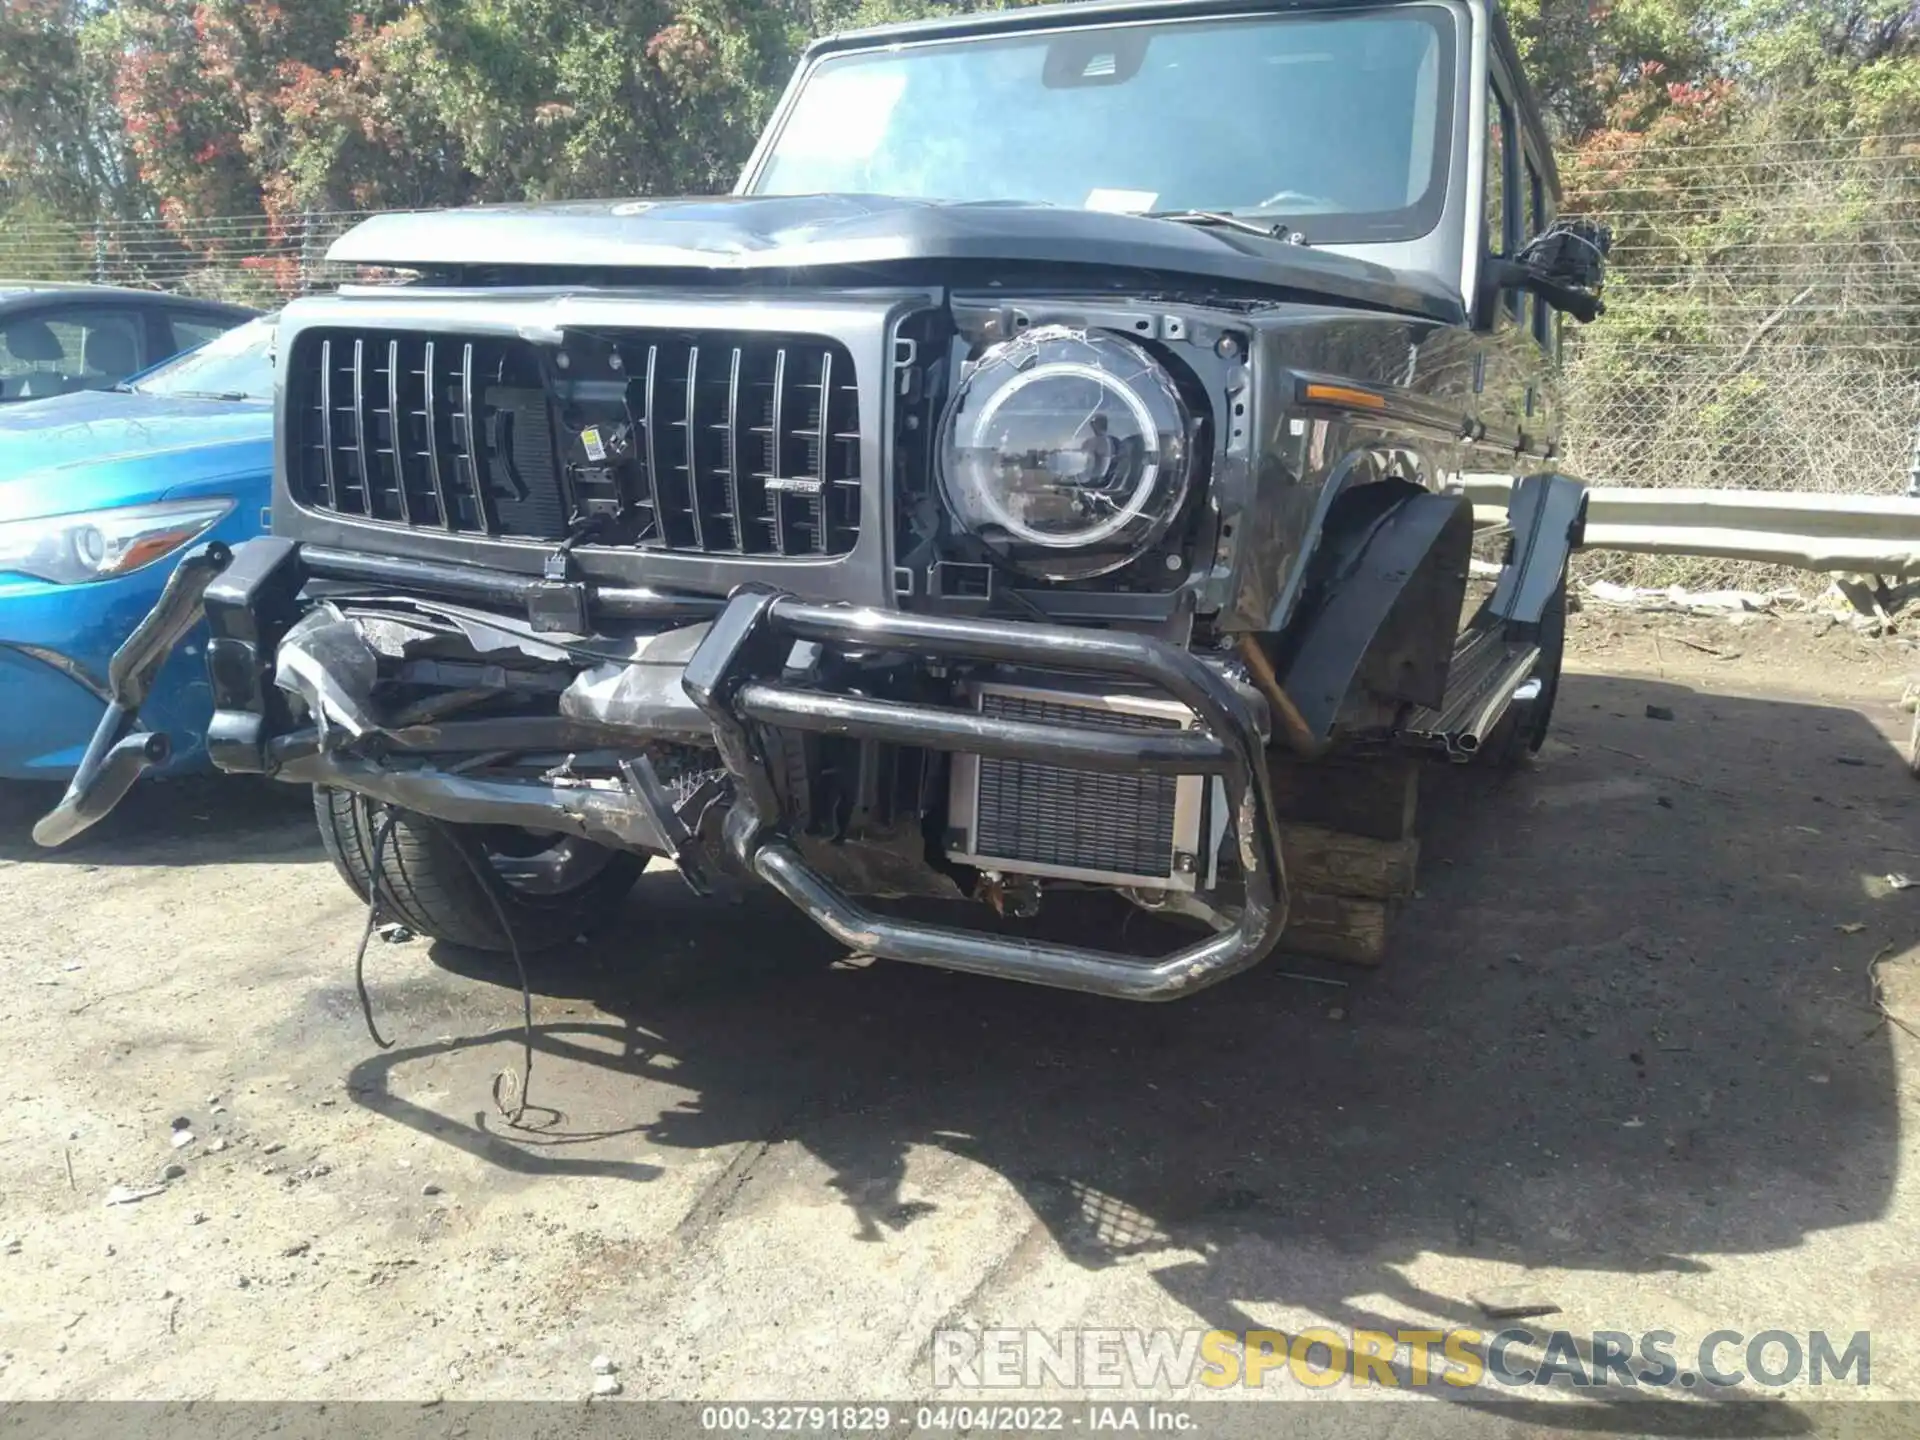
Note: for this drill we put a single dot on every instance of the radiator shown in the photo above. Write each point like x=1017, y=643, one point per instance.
x=1021, y=818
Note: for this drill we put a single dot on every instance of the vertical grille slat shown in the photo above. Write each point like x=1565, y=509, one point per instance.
x=777, y=492
x=691, y=425
x=430, y=418
x=667, y=513
x=332, y=497
x=367, y=507
x=732, y=438
x=396, y=432
x=820, y=443
x=842, y=467
x=471, y=443
x=485, y=434
x=649, y=452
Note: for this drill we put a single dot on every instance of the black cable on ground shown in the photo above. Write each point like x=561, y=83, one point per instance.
x=505, y=1078
x=380, y=838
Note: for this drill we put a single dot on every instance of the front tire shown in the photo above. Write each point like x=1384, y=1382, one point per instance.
x=444, y=880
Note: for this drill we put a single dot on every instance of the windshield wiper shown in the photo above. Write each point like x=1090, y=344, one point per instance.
x=230, y=395
x=1271, y=229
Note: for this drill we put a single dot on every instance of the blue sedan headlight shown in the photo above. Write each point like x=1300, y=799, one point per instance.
x=100, y=544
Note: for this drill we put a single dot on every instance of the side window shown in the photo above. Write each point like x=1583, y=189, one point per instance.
x=1497, y=132
x=1537, y=218
x=32, y=359
x=1503, y=205
x=51, y=352
x=191, y=330
x=109, y=345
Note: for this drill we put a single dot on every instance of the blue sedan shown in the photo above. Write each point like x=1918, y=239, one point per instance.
x=100, y=492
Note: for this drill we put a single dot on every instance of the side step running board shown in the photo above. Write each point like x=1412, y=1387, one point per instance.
x=1487, y=670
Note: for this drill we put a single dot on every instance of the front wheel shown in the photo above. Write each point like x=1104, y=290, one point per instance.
x=458, y=882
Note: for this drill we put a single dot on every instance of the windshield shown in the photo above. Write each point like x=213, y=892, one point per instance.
x=235, y=365
x=1338, y=124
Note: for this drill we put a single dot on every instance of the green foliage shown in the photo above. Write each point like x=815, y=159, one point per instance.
x=1830, y=66
x=63, y=147
x=1588, y=61
x=185, y=109
x=234, y=106
x=37, y=244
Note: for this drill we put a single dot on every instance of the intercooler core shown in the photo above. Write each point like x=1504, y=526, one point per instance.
x=1022, y=818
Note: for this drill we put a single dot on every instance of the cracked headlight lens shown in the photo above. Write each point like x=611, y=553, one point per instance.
x=100, y=544
x=1066, y=452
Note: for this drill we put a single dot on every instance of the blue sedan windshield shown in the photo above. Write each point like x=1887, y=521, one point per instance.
x=1339, y=124
x=234, y=365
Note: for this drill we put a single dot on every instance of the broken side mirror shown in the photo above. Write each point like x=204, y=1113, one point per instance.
x=1565, y=265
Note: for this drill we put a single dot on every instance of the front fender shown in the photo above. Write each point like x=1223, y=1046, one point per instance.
x=1548, y=517
x=1383, y=605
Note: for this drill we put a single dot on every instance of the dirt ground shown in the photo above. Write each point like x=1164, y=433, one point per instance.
x=1625, y=1052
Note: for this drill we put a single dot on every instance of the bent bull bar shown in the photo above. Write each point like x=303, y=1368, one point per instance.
x=755, y=634
x=726, y=678
x=119, y=754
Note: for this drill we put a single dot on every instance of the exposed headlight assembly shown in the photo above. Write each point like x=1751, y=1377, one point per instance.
x=1066, y=452
x=100, y=544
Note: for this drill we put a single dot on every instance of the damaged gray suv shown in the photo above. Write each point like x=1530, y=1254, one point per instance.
x=1044, y=473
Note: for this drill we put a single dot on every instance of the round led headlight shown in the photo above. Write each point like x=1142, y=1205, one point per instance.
x=1065, y=452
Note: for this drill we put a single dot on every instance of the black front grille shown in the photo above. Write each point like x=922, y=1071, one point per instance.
x=1048, y=816
x=710, y=443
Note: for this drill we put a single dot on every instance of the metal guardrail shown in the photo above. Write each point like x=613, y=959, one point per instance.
x=1866, y=534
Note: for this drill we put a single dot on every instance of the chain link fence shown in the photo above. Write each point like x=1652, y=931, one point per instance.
x=1763, y=328
x=247, y=259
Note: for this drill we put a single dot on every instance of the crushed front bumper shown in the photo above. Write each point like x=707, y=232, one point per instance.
x=735, y=677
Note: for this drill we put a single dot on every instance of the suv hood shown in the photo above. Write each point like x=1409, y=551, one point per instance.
x=755, y=233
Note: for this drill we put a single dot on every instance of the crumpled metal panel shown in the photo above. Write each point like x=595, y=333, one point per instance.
x=770, y=233
x=643, y=693
x=326, y=661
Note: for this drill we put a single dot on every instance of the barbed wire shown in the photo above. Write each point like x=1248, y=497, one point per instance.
x=1786, y=144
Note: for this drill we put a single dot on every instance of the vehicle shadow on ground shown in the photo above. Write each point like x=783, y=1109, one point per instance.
x=191, y=820
x=1622, y=1029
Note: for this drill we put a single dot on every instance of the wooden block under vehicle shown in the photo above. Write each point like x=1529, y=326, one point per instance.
x=1372, y=797
x=1337, y=927
x=1331, y=862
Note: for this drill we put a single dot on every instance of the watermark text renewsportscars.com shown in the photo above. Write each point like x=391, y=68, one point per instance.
x=1159, y=1360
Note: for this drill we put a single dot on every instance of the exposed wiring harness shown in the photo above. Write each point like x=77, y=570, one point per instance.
x=380, y=838
x=509, y=1090
x=506, y=1082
